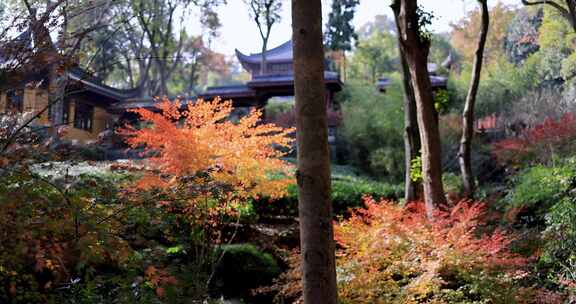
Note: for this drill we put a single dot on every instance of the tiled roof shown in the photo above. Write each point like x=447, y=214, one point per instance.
x=265, y=80
x=281, y=53
x=11, y=50
x=94, y=85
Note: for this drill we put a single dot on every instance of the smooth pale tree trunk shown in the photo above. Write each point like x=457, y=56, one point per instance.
x=465, y=152
x=416, y=49
x=411, y=134
x=315, y=209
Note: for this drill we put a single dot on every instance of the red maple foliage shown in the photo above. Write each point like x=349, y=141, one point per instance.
x=399, y=247
x=540, y=143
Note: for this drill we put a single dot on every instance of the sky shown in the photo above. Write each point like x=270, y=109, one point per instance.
x=238, y=31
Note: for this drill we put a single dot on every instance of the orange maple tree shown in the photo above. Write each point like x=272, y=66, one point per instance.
x=200, y=142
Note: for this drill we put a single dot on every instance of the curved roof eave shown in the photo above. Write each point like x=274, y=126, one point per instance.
x=96, y=87
x=283, y=52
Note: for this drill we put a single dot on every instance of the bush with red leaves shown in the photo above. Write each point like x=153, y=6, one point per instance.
x=539, y=144
x=394, y=254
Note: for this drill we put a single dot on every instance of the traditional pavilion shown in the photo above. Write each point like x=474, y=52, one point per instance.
x=277, y=79
x=92, y=107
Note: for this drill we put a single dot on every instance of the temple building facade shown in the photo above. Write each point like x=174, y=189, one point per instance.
x=277, y=79
x=85, y=109
x=90, y=107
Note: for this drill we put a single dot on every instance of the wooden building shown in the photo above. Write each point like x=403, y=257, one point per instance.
x=91, y=107
x=277, y=79
x=84, y=110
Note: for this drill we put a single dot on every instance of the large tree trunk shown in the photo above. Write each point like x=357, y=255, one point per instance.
x=313, y=175
x=411, y=134
x=416, y=48
x=464, y=155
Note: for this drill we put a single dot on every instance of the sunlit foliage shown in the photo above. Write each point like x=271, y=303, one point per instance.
x=466, y=31
x=394, y=254
x=197, y=141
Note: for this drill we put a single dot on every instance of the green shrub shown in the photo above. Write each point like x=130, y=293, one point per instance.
x=540, y=187
x=560, y=233
x=242, y=267
x=452, y=183
x=388, y=162
x=543, y=197
x=372, y=129
x=276, y=107
x=347, y=192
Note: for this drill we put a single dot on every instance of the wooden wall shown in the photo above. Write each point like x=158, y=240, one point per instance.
x=99, y=124
x=37, y=99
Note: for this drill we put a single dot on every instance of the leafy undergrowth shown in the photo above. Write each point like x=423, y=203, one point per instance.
x=394, y=254
x=150, y=236
x=539, y=144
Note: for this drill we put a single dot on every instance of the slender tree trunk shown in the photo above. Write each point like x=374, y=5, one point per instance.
x=163, y=86
x=313, y=175
x=416, y=48
x=464, y=155
x=411, y=134
x=263, y=63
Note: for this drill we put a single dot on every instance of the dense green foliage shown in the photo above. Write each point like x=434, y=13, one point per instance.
x=347, y=192
x=372, y=130
x=542, y=199
x=541, y=186
x=374, y=56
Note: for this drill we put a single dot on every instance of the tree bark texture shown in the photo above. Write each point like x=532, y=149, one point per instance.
x=411, y=134
x=465, y=152
x=416, y=48
x=313, y=175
